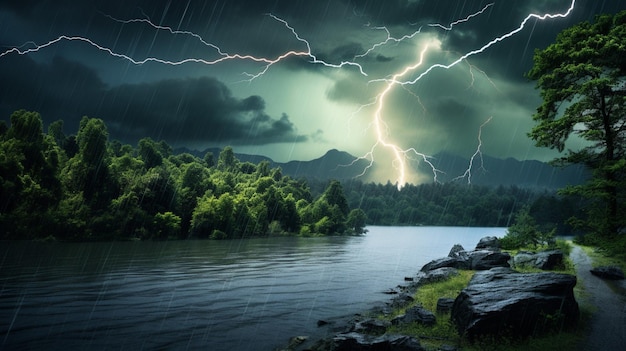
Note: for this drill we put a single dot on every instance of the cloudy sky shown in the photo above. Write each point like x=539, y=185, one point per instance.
x=289, y=79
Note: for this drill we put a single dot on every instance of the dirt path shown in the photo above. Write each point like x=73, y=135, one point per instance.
x=608, y=323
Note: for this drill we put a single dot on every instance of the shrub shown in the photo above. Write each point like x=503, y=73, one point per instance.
x=525, y=233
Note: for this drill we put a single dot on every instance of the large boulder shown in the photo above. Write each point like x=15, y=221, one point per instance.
x=359, y=342
x=452, y=262
x=545, y=260
x=488, y=243
x=501, y=301
x=455, y=250
x=608, y=272
x=437, y=275
x=476, y=260
x=485, y=259
x=444, y=304
x=487, y=255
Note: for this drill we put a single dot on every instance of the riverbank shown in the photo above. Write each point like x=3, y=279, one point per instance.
x=603, y=314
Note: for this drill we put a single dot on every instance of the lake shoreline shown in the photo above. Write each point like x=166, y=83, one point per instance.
x=353, y=325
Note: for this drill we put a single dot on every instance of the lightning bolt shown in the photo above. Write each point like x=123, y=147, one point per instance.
x=477, y=153
x=381, y=128
x=466, y=19
x=473, y=78
x=221, y=55
x=492, y=42
x=387, y=40
x=309, y=53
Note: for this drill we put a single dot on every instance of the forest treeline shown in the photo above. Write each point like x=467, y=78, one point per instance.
x=85, y=187
x=459, y=204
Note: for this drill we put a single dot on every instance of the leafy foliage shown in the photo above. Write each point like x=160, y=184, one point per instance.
x=582, y=80
x=85, y=187
x=524, y=233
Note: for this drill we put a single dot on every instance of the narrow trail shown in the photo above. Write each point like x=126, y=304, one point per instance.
x=608, y=323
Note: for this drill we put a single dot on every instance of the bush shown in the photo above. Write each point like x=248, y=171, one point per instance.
x=218, y=235
x=167, y=225
x=525, y=233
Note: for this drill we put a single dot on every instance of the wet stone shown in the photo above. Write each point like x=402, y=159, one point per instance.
x=608, y=272
x=416, y=314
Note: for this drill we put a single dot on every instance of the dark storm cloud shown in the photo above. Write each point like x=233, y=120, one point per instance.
x=345, y=52
x=177, y=110
x=383, y=58
x=194, y=109
x=56, y=89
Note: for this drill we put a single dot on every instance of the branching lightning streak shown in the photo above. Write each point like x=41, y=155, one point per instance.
x=387, y=40
x=473, y=78
x=492, y=42
x=165, y=28
x=399, y=154
x=379, y=124
x=222, y=56
x=452, y=24
x=269, y=62
x=477, y=153
x=309, y=52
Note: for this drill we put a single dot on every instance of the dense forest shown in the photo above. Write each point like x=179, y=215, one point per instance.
x=458, y=204
x=85, y=187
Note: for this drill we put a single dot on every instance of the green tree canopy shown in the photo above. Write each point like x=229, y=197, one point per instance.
x=582, y=80
x=149, y=153
x=334, y=196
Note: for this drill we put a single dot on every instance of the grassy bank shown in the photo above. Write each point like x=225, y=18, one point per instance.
x=605, y=251
x=444, y=331
x=602, y=257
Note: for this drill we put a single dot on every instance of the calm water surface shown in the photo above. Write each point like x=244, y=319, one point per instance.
x=251, y=294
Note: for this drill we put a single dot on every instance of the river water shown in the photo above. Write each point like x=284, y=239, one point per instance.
x=251, y=294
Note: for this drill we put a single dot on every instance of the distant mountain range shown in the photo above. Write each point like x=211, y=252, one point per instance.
x=341, y=165
x=497, y=171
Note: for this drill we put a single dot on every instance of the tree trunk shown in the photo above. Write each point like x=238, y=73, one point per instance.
x=609, y=175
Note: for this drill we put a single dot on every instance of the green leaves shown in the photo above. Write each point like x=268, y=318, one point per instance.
x=581, y=78
x=524, y=233
x=84, y=187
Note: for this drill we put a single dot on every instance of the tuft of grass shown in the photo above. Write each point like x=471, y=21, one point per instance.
x=431, y=338
x=560, y=244
x=564, y=245
x=601, y=257
x=428, y=295
x=444, y=331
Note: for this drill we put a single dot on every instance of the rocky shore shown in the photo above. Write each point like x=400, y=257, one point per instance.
x=498, y=301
